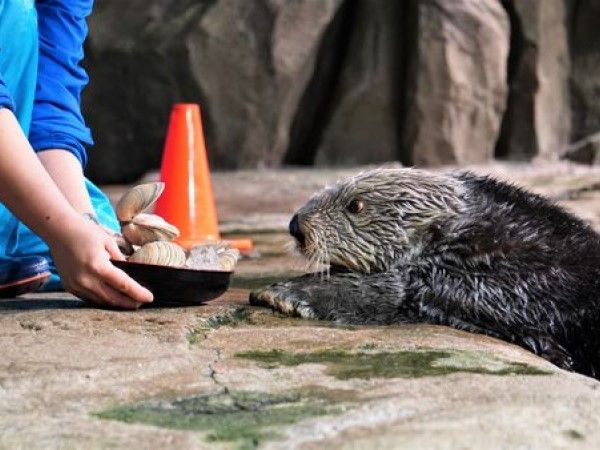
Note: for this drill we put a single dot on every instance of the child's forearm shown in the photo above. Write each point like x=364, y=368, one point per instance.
x=27, y=189
x=65, y=169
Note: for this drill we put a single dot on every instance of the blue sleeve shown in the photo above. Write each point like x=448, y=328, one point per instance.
x=57, y=121
x=6, y=100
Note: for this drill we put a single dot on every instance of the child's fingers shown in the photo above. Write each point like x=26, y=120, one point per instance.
x=120, y=281
x=97, y=292
x=105, y=294
x=113, y=250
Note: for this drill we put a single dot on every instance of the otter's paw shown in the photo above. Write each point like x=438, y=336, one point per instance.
x=282, y=298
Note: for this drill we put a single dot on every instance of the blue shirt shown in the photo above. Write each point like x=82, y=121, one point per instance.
x=56, y=120
x=6, y=100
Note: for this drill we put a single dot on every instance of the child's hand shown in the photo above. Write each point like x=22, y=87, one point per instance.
x=81, y=250
x=82, y=255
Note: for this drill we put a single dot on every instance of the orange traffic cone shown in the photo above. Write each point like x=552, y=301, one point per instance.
x=187, y=201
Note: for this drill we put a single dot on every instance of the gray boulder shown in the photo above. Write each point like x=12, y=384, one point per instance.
x=584, y=42
x=363, y=128
x=457, y=83
x=246, y=63
x=537, y=121
x=343, y=82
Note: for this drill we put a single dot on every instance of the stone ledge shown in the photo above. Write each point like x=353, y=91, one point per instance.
x=65, y=367
x=64, y=363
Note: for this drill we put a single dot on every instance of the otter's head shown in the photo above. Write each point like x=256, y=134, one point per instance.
x=368, y=222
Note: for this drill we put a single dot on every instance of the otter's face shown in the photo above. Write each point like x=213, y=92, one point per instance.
x=374, y=220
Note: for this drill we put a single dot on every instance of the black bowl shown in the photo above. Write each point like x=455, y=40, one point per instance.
x=176, y=286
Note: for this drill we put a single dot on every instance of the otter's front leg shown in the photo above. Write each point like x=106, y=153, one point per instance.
x=344, y=297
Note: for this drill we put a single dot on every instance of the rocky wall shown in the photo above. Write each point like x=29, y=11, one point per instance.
x=343, y=82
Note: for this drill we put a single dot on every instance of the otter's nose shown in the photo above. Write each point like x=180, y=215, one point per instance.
x=295, y=229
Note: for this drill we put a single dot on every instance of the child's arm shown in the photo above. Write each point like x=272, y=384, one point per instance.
x=57, y=122
x=65, y=169
x=81, y=250
x=58, y=131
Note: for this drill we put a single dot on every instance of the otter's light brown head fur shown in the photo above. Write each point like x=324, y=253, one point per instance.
x=375, y=219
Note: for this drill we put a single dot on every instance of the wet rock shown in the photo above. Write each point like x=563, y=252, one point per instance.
x=197, y=375
x=366, y=364
x=457, y=81
x=245, y=419
x=537, y=121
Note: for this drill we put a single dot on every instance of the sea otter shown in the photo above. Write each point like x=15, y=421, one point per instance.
x=458, y=249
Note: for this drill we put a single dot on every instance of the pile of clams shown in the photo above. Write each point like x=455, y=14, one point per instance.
x=148, y=238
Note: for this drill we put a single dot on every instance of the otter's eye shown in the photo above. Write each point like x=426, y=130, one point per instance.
x=355, y=206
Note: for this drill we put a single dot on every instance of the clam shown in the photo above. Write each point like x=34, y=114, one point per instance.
x=145, y=228
x=160, y=253
x=228, y=258
x=147, y=237
x=218, y=256
x=123, y=244
x=137, y=200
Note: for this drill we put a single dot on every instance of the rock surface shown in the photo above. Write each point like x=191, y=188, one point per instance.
x=263, y=55
x=342, y=82
x=538, y=116
x=363, y=128
x=251, y=201
x=457, y=82
x=584, y=20
x=586, y=150
x=73, y=377
x=228, y=375
x=246, y=63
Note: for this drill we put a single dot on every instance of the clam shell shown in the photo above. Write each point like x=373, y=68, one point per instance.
x=160, y=253
x=137, y=200
x=124, y=245
x=228, y=258
x=145, y=228
x=213, y=256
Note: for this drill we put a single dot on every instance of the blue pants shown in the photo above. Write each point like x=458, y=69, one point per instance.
x=18, y=66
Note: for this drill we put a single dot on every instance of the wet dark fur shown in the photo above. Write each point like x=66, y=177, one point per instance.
x=509, y=264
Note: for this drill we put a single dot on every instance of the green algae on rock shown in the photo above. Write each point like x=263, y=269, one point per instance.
x=232, y=317
x=402, y=364
x=245, y=417
x=267, y=318
x=243, y=281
